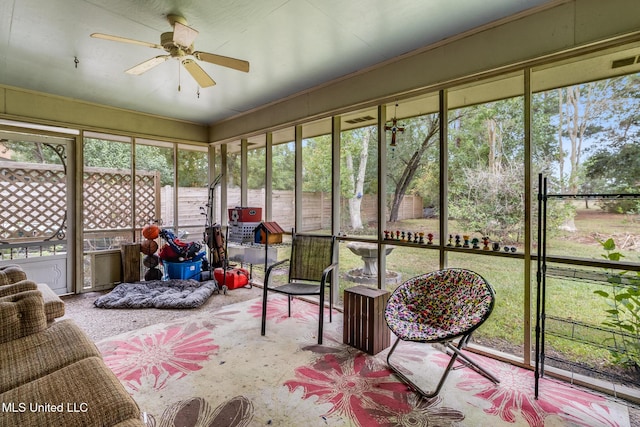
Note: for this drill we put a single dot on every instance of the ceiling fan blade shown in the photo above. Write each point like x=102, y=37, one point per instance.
x=200, y=76
x=147, y=65
x=183, y=35
x=225, y=61
x=124, y=40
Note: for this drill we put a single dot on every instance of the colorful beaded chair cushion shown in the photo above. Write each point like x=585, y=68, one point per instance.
x=439, y=306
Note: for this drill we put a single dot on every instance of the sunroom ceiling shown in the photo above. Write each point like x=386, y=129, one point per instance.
x=292, y=45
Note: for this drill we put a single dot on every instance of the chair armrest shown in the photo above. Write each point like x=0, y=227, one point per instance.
x=17, y=287
x=270, y=268
x=21, y=314
x=11, y=273
x=326, y=271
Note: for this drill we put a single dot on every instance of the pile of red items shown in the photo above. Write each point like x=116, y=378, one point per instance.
x=174, y=250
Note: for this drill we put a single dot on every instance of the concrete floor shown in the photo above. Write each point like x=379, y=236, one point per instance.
x=100, y=323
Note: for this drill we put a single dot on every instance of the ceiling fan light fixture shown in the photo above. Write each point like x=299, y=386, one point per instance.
x=179, y=44
x=184, y=36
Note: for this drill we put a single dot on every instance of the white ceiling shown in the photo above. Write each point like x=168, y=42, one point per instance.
x=292, y=45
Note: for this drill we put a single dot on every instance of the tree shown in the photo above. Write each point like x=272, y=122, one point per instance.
x=616, y=172
x=420, y=134
x=581, y=109
x=283, y=169
x=256, y=168
x=192, y=168
x=355, y=153
x=316, y=164
x=486, y=168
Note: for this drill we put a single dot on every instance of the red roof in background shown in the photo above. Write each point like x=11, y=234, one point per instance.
x=271, y=227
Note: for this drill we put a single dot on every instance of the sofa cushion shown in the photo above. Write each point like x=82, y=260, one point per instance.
x=21, y=314
x=53, y=305
x=11, y=273
x=34, y=356
x=87, y=393
x=20, y=286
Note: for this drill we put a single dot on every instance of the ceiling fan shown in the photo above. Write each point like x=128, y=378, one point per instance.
x=179, y=44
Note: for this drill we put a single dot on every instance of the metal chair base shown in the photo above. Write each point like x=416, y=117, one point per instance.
x=454, y=356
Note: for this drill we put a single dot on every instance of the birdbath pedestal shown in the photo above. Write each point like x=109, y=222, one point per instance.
x=369, y=254
x=369, y=272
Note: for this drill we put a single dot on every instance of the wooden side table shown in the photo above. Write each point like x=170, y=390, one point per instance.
x=364, y=324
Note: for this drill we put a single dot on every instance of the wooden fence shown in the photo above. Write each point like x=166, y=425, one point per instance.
x=316, y=207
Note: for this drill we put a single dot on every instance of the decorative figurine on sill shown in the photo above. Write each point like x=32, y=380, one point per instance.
x=513, y=249
x=496, y=246
x=402, y=235
x=409, y=236
x=386, y=234
x=416, y=237
x=450, y=239
x=475, y=242
x=430, y=237
x=506, y=248
x=397, y=234
x=466, y=241
x=458, y=244
x=485, y=243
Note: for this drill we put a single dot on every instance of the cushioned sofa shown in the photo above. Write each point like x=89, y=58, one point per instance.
x=51, y=374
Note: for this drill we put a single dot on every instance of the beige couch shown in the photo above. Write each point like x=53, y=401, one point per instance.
x=51, y=374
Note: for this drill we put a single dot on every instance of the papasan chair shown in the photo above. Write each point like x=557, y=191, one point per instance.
x=443, y=306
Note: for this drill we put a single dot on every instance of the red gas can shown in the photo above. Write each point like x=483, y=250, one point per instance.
x=235, y=277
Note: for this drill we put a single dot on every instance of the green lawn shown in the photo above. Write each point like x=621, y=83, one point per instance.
x=505, y=330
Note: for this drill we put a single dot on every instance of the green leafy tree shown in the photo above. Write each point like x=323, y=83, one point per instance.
x=192, y=168
x=33, y=152
x=486, y=169
x=357, y=147
x=414, y=152
x=156, y=159
x=283, y=166
x=256, y=166
x=316, y=164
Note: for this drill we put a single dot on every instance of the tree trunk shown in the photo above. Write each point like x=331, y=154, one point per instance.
x=355, y=202
x=560, y=149
x=411, y=167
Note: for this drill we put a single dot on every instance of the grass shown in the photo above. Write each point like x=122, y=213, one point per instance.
x=505, y=329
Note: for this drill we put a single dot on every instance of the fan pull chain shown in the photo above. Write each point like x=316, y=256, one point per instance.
x=179, y=69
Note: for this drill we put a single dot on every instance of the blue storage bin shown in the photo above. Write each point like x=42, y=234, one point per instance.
x=183, y=270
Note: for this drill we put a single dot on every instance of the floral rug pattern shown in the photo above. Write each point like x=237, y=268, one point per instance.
x=214, y=369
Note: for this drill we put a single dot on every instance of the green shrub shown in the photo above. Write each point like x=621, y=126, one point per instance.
x=623, y=314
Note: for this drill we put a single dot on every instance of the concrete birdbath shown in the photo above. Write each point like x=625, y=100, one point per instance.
x=369, y=272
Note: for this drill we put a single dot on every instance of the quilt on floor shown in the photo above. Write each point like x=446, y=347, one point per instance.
x=173, y=293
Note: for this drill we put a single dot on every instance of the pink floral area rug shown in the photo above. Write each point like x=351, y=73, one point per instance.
x=215, y=369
